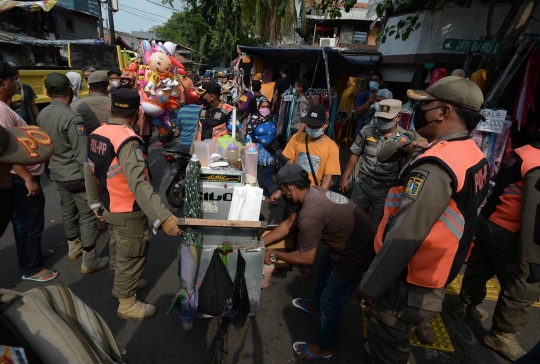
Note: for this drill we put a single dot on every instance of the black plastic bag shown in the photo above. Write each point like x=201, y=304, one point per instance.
x=238, y=306
x=216, y=288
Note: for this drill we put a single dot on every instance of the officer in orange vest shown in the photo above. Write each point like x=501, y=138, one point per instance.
x=214, y=114
x=429, y=219
x=506, y=246
x=116, y=175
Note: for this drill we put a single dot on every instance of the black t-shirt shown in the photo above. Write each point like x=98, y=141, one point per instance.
x=21, y=103
x=253, y=104
x=280, y=86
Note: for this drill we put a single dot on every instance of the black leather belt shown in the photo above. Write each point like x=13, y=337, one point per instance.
x=372, y=183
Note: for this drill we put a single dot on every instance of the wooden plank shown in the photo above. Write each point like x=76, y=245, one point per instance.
x=222, y=223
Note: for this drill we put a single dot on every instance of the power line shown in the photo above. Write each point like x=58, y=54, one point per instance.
x=163, y=6
x=140, y=16
x=142, y=11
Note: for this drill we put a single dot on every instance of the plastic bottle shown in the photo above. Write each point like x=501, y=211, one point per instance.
x=267, y=274
x=250, y=162
x=232, y=154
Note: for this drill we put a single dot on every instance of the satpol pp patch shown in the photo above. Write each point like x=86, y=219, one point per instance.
x=414, y=183
x=81, y=129
x=402, y=139
x=139, y=153
x=358, y=140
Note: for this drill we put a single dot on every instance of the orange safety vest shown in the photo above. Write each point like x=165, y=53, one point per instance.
x=218, y=130
x=444, y=249
x=104, y=144
x=504, y=205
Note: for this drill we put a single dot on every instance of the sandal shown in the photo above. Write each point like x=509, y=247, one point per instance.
x=36, y=278
x=304, y=349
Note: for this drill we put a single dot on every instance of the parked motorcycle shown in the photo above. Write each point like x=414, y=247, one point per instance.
x=174, y=175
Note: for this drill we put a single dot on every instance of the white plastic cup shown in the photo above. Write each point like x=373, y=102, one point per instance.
x=267, y=274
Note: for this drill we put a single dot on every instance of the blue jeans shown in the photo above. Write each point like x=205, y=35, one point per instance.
x=28, y=221
x=268, y=182
x=330, y=297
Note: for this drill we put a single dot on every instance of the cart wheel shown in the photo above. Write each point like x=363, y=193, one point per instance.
x=218, y=349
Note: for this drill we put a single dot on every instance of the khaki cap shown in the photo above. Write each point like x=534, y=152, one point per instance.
x=453, y=90
x=388, y=109
x=98, y=77
x=25, y=145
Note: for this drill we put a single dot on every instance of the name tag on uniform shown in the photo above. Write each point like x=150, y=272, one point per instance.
x=217, y=116
x=98, y=147
x=203, y=114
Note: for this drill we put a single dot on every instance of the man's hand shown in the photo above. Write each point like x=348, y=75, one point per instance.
x=267, y=260
x=421, y=143
x=362, y=296
x=274, y=198
x=170, y=226
x=99, y=215
x=32, y=186
x=372, y=97
x=344, y=184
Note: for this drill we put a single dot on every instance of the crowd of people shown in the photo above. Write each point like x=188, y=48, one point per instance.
x=419, y=197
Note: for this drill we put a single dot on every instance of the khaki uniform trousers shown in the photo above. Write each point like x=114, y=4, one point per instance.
x=395, y=317
x=77, y=215
x=130, y=239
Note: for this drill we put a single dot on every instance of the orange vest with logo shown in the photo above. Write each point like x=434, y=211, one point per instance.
x=504, y=204
x=439, y=258
x=209, y=116
x=104, y=144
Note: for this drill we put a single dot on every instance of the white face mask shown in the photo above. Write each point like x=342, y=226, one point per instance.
x=314, y=133
x=116, y=83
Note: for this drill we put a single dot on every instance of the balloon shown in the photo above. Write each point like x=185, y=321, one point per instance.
x=162, y=95
x=436, y=75
x=151, y=108
x=479, y=77
x=164, y=118
x=161, y=66
x=161, y=130
x=170, y=47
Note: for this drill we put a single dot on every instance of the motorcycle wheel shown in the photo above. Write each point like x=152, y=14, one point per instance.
x=175, y=193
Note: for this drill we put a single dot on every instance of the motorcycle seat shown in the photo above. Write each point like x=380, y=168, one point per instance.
x=177, y=149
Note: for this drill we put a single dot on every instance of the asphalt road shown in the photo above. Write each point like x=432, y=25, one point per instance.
x=266, y=338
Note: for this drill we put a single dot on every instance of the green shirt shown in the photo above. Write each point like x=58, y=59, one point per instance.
x=68, y=133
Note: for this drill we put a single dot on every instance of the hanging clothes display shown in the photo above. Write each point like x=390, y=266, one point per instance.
x=530, y=79
x=347, y=98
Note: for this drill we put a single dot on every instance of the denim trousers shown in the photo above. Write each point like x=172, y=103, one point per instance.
x=267, y=177
x=330, y=297
x=28, y=222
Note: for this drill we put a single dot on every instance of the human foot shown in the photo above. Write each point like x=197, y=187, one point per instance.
x=44, y=275
x=311, y=351
x=306, y=306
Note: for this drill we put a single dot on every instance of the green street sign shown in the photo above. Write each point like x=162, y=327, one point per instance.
x=471, y=46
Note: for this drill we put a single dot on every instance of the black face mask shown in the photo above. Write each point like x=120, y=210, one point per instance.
x=419, y=118
x=7, y=196
x=204, y=101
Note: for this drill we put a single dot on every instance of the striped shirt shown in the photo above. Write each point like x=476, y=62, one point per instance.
x=186, y=120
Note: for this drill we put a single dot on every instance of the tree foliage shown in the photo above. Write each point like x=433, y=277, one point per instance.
x=211, y=28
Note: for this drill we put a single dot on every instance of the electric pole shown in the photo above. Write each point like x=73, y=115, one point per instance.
x=100, y=19
x=112, y=37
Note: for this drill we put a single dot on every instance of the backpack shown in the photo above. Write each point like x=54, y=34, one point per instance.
x=57, y=326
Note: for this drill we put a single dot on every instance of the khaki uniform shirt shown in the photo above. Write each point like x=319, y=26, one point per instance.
x=94, y=109
x=368, y=144
x=133, y=168
x=68, y=133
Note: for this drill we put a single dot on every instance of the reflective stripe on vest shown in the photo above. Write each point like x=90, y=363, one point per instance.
x=508, y=213
x=450, y=236
x=115, y=192
x=217, y=132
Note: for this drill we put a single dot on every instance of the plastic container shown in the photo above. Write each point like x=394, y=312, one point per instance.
x=232, y=154
x=211, y=145
x=202, y=149
x=250, y=163
x=267, y=274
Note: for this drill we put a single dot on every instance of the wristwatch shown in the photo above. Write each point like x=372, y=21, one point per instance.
x=273, y=257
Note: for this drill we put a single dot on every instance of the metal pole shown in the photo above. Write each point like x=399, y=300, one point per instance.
x=467, y=62
x=325, y=56
x=100, y=19
x=112, y=37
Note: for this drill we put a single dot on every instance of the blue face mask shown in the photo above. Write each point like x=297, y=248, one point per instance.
x=314, y=133
x=373, y=86
x=294, y=92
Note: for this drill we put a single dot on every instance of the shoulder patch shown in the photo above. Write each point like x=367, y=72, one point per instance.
x=81, y=129
x=358, y=139
x=336, y=198
x=414, y=183
x=203, y=114
x=402, y=139
x=139, y=153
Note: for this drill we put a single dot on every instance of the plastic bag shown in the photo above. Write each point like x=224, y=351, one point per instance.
x=238, y=306
x=215, y=288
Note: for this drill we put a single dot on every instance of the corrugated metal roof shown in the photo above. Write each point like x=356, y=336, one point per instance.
x=353, y=14
x=20, y=38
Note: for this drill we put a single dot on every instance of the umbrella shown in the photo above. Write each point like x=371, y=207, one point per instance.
x=186, y=299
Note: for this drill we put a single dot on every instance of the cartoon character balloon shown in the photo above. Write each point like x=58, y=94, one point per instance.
x=161, y=66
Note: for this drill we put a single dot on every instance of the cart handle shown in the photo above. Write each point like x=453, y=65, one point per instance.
x=243, y=224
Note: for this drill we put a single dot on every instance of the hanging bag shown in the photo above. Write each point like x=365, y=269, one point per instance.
x=216, y=288
x=238, y=306
x=311, y=164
